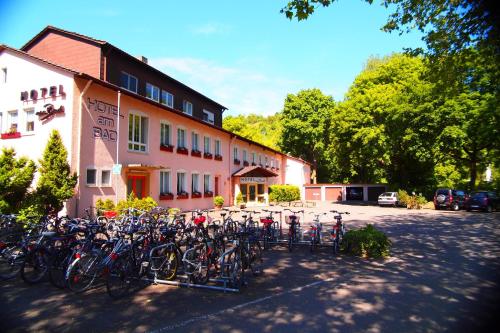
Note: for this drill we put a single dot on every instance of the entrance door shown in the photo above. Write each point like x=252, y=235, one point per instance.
x=137, y=184
x=252, y=192
x=216, y=185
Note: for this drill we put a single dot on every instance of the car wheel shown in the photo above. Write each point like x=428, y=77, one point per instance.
x=455, y=206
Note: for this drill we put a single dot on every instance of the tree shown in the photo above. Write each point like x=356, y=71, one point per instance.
x=16, y=176
x=306, y=126
x=56, y=182
x=264, y=130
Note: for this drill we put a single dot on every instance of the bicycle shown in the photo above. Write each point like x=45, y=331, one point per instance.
x=294, y=228
x=338, y=230
x=315, y=231
x=269, y=231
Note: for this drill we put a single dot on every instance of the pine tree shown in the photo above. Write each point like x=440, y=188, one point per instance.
x=16, y=176
x=56, y=183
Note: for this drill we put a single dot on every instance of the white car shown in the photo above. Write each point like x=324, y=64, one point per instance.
x=388, y=199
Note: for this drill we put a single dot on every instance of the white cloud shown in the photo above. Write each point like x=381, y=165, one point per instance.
x=242, y=89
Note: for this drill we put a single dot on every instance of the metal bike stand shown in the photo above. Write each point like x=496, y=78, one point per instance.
x=223, y=288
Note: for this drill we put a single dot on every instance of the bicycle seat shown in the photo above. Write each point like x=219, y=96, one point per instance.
x=223, y=214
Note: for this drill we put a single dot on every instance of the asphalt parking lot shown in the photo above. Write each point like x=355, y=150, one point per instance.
x=443, y=276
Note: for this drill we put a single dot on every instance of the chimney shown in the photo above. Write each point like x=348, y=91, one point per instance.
x=143, y=59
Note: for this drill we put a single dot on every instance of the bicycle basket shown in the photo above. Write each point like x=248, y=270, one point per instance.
x=200, y=220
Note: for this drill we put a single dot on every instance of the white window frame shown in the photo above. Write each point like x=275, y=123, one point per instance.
x=128, y=81
x=182, y=144
x=182, y=184
x=266, y=161
x=235, y=153
x=187, y=107
x=208, y=117
x=29, y=114
x=217, y=147
x=169, y=181
x=1, y=122
x=162, y=136
x=169, y=98
x=207, y=149
x=195, y=142
x=132, y=143
x=101, y=182
x=10, y=121
x=244, y=156
x=94, y=184
x=254, y=159
x=209, y=183
x=195, y=185
x=153, y=89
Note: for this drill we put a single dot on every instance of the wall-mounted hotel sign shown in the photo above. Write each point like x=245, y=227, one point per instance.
x=247, y=180
x=105, y=124
x=42, y=93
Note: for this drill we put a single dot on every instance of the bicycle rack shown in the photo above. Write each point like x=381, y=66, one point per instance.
x=183, y=283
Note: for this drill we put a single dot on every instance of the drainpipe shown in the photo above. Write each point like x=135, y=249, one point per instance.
x=231, y=142
x=117, y=146
x=79, y=145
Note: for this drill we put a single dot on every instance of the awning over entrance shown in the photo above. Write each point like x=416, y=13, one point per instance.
x=254, y=171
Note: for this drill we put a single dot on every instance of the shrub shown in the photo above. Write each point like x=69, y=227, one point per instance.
x=218, y=201
x=239, y=198
x=366, y=242
x=102, y=206
x=411, y=201
x=284, y=193
x=132, y=201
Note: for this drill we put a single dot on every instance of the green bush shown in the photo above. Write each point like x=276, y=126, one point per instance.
x=411, y=201
x=132, y=201
x=366, y=242
x=219, y=201
x=284, y=193
x=102, y=206
x=239, y=198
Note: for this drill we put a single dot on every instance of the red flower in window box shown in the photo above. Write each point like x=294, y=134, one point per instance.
x=208, y=156
x=196, y=153
x=236, y=161
x=218, y=157
x=182, y=150
x=182, y=195
x=245, y=163
x=166, y=196
x=208, y=194
x=195, y=195
x=11, y=135
x=168, y=148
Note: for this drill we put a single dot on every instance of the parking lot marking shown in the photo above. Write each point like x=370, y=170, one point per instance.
x=239, y=306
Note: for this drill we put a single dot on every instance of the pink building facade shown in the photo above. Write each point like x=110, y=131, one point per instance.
x=120, y=142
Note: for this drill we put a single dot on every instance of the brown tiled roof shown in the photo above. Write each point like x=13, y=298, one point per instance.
x=255, y=171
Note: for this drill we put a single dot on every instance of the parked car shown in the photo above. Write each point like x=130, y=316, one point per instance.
x=388, y=199
x=482, y=200
x=449, y=199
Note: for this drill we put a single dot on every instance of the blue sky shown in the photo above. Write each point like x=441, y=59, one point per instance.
x=244, y=54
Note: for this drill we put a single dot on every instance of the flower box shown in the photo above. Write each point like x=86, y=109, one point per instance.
x=245, y=163
x=236, y=162
x=166, y=196
x=11, y=135
x=183, y=195
x=208, y=156
x=218, y=157
x=253, y=164
x=182, y=150
x=196, y=153
x=208, y=194
x=168, y=148
x=195, y=195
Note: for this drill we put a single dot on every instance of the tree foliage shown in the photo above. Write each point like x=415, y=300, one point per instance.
x=16, y=176
x=261, y=129
x=56, y=183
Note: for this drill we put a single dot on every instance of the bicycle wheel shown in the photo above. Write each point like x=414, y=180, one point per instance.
x=58, y=265
x=169, y=264
x=290, y=243
x=82, y=272
x=256, y=258
x=119, y=279
x=234, y=270
x=336, y=246
x=201, y=269
x=11, y=259
x=35, y=266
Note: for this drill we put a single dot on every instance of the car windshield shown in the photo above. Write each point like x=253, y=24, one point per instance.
x=387, y=194
x=479, y=195
x=444, y=192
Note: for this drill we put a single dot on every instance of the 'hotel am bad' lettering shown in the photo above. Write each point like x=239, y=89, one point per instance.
x=106, y=121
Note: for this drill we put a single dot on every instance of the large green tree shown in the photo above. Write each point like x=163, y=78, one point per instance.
x=56, y=183
x=261, y=129
x=306, y=120
x=16, y=176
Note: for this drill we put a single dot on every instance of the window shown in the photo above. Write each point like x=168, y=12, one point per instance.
x=181, y=138
x=1, y=122
x=206, y=145
x=165, y=182
x=187, y=107
x=235, y=153
x=128, y=81
x=152, y=92
x=165, y=138
x=105, y=177
x=181, y=182
x=260, y=159
x=30, y=120
x=194, y=141
x=206, y=183
x=91, y=177
x=217, y=148
x=195, y=180
x=12, y=121
x=4, y=75
x=266, y=161
x=208, y=116
x=244, y=155
x=167, y=98
x=253, y=158
x=137, y=132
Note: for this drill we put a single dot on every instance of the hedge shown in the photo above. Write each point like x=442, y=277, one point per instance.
x=284, y=193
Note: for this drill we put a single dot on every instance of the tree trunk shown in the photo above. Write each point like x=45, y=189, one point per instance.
x=473, y=173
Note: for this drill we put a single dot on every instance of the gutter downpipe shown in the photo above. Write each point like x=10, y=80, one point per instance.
x=117, y=146
x=80, y=121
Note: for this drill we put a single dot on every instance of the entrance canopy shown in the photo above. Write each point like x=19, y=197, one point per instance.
x=254, y=171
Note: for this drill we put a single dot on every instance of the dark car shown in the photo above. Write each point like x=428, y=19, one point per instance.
x=446, y=198
x=483, y=200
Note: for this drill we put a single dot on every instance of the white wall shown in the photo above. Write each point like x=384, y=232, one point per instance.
x=296, y=173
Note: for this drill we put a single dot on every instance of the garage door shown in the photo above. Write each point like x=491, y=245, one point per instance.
x=313, y=193
x=374, y=192
x=333, y=193
x=354, y=193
